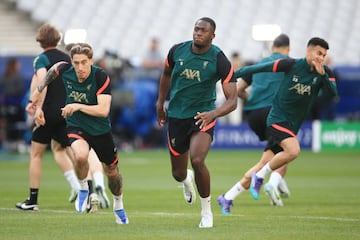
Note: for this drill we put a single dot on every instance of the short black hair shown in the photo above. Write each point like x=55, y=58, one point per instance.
x=281, y=41
x=316, y=41
x=209, y=20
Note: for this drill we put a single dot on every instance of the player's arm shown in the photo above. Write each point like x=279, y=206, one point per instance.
x=228, y=82
x=40, y=74
x=164, y=86
x=279, y=65
x=36, y=79
x=226, y=74
x=101, y=109
x=329, y=81
x=50, y=76
x=31, y=108
x=242, y=84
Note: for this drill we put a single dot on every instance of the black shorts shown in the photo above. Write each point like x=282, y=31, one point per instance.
x=275, y=134
x=51, y=130
x=257, y=121
x=103, y=145
x=180, y=132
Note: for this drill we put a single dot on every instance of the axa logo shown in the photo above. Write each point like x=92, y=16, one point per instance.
x=301, y=89
x=79, y=97
x=191, y=74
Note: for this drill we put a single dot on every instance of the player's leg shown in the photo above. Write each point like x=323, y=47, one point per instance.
x=182, y=174
x=282, y=186
x=276, y=187
x=226, y=200
x=80, y=151
x=116, y=185
x=271, y=187
x=65, y=164
x=291, y=149
x=178, y=144
x=93, y=200
x=36, y=153
x=284, y=144
x=96, y=169
x=199, y=148
x=106, y=151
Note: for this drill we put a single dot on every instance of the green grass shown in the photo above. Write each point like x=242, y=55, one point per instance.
x=325, y=201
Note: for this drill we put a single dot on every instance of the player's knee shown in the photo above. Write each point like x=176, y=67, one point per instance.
x=293, y=153
x=81, y=157
x=111, y=171
x=197, y=163
x=179, y=175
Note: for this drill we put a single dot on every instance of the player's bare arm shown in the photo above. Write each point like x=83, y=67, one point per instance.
x=241, y=85
x=102, y=109
x=230, y=104
x=50, y=76
x=163, y=91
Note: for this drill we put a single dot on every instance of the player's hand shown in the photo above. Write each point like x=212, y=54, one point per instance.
x=69, y=109
x=35, y=97
x=30, y=109
x=203, y=119
x=319, y=67
x=39, y=118
x=161, y=115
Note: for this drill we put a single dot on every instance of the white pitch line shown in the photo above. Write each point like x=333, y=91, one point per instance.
x=170, y=214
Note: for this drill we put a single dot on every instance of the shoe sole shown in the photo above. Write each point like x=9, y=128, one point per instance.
x=94, y=202
x=223, y=211
x=255, y=194
x=193, y=192
x=27, y=208
x=209, y=223
x=72, y=198
x=275, y=200
x=104, y=201
x=283, y=189
x=83, y=207
x=118, y=218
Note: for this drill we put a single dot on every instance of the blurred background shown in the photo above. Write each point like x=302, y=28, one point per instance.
x=131, y=39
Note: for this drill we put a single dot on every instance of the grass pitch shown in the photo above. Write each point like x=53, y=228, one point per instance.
x=324, y=202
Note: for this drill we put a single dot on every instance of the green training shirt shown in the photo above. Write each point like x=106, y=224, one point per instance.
x=97, y=83
x=296, y=92
x=193, y=79
x=263, y=85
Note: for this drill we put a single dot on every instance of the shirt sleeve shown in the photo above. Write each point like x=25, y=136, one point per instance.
x=248, y=79
x=329, y=81
x=280, y=65
x=170, y=57
x=40, y=62
x=103, y=82
x=224, y=69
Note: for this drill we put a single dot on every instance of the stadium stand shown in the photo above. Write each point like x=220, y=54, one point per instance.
x=126, y=26
x=123, y=29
